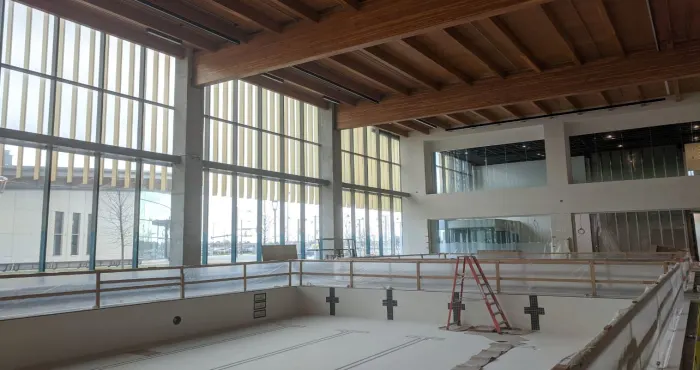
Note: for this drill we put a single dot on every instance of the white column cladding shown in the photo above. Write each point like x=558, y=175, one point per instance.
x=331, y=207
x=416, y=175
x=556, y=143
x=188, y=134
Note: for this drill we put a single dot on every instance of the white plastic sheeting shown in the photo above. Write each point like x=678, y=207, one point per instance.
x=638, y=336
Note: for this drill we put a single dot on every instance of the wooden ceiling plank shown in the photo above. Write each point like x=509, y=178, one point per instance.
x=414, y=126
x=485, y=115
x=605, y=98
x=287, y=89
x=195, y=15
x=573, y=102
x=148, y=19
x=561, y=32
x=668, y=24
x=313, y=84
x=246, y=11
x=352, y=4
x=639, y=68
x=343, y=81
x=543, y=108
x=511, y=111
x=82, y=13
x=473, y=50
x=402, y=67
x=368, y=72
x=421, y=48
x=603, y=12
x=459, y=120
x=579, y=19
x=506, y=32
x=301, y=9
x=393, y=129
x=382, y=21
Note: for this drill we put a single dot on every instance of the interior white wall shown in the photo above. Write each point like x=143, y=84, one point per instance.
x=560, y=197
x=60, y=337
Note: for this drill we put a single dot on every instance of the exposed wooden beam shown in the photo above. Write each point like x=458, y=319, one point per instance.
x=561, y=32
x=301, y=9
x=287, y=89
x=473, y=50
x=82, y=13
x=640, y=93
x=414, y=126
x=344, y=81
x=129, y=11
x=393, y=129
x=485, y=115
x=573, y=102
x=605, y=98
x=193, y=14
x=511, y=111
x=606, y=74
x=457, y=119
x=313, y=84
x=436, y=121
x=246, y=11
x=584, y=26
x=603, y=12
x=402, y=67
x=543, y=108
x=367, y=72
x=352, y=4
x=386, y=20
x=421, y=48
x=505, y=31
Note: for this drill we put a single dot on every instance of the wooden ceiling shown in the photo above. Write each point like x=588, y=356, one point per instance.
x=412, y=66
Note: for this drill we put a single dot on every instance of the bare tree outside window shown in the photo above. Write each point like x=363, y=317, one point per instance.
x=117, y=216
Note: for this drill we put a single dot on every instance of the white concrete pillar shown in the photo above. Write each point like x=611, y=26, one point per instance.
x=416, y=165
x=331, y=207
x=188, y=131
x=556, y=143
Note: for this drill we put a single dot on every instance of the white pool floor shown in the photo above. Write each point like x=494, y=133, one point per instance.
x=334, y=343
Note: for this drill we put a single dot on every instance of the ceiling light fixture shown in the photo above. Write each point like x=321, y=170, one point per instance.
x=609, y=136
x=273, y=78
x=696, y=127
x=619, y=145
x=331, y=100
x=163, y=36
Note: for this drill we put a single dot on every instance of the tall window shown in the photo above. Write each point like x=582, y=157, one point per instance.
x=75, y=234
x=59, y=78
x=371, y=173
x=261, y=171
x=58, y=234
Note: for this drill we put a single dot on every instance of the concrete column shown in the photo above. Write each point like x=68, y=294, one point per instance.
x=556, y=143
x=188, y=131
x=331, y=209
x=416, y=168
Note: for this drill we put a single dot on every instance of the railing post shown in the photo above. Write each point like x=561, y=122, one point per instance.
x=290, y=273
x=591, y=268
x=98, y=276
x=418, y=287
x=245, y=277
x=182, y=282
x=498, y=276
x=301, y=272
x=352, y=274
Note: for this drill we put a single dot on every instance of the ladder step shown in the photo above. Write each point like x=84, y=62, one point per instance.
x=502, y=322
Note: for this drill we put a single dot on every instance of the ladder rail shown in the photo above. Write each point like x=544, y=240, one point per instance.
x=454, y=285
x=485, y=295
x=488, y=285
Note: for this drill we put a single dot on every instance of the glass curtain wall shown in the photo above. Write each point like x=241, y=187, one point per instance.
x=371, y=173
x=66, y=208
x=644, y=153
x=261, y=173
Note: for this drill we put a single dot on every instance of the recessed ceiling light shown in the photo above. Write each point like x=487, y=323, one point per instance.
x=609, y=136
x=619, y=145
x=696, y=127
x=525, y=146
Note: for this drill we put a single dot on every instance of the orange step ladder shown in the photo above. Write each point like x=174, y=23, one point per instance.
x=500, y=322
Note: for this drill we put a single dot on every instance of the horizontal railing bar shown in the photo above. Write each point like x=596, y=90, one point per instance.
x=119, y=289
x=103, y=282
x=46, y=295
x=213, y=280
